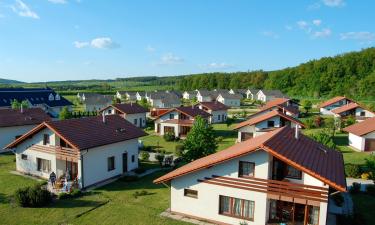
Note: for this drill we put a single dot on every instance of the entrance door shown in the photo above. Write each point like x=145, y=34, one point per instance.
x=246, y=135
x=370, y=145
x=72, y=168
x=125, y=162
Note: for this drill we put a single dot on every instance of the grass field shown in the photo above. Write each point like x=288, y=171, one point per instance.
x=111, y=204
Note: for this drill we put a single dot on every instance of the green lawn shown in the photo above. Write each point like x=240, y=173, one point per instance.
x=112, y=204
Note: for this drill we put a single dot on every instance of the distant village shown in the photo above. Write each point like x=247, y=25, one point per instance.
x=270, y=168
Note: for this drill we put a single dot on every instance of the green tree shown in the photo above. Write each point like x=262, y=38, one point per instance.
x=65, y=113
x=306, y=105
x=17, y=105
x=324, y=138
x=200, y=141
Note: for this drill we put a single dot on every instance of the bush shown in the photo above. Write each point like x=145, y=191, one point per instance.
x=33, y=196
x=356, y=188
x=310, y=123
x=318, y=120
x=370, y=189
x=145, y=156
x=353, y=170
x=75, y=193
x=139, y=170
x=219, y=139
x=63, y=195
x=160, y=158
x=147, y=148
x=169, y=136
x=338, y=199
x=365, y=176
x=129, y=178
x=179, y=150
x=324, y=138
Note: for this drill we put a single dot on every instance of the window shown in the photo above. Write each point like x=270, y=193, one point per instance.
x=23, y=157
x=313, y=215
x=133, y=158
x=111, y=163
x=43, y=165
x=270, y=123
x=293, y=173
x=57, y=97
x=246, y=169
x=109, y=111
x=236, y=207
x=171, y=116
x=363, y=113
x=218, y=117
x=135, y=121
x=45, y=139
x=190, y=193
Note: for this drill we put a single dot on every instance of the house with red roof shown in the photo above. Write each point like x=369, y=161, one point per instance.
x=326, y=107
x=132, y=112
x=285, y=105
x=362, y=135
x=179, y=120
x=218, y=111
x=264, y=123
x=353, y=109
x=83, y=151
x=14, y=123
x=281, y=177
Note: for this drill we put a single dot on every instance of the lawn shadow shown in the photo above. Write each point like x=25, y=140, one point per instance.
x=75, y=203
x=3, y=198
x=226, y=133
x=341, y=140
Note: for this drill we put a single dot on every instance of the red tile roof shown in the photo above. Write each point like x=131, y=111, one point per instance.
x=128, y=108
x=89, y=132
x=189, y=111
x=214, y=106
x=266, y=116
x=12, y=117
x=347, y=107
x=332, y=101
x=303, y=153
x=281, y=104
x=362, y=128
x=274, y=102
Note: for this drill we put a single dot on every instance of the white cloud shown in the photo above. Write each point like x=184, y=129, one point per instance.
x=314, y=6
x=79, y=44
x=317, y=22
x=100, y=43
x=170, y=59
x=288, y=27
x=149, y=48
x=334, y=3
x=215, y=65
x=326, y=32
x=270, y=34
x=364, y=37
x=58, y=1
x=302, y=24
x=23, y=10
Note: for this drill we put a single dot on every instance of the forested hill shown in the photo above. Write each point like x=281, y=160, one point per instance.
x=350, y=74
x=5, y=81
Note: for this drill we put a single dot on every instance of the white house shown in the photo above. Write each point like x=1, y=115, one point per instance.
x=206, y=96
x=90, y=150
x=189, y=95
x=259, y=182
x=268, y=95
x=140, y=95
x=353, y=109
x=285, y=105
x=218, y=111
x=362, y=135
x=44, y=98
x=163, y=100
x=265, y=123
x=231, y=100
x=239, y=91
x=132, y=112
x=95, y=102
x=251, y=93
x=14, y=123
x=326, y=107
x=178, y=121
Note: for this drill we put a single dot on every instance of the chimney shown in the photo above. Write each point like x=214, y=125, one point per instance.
x=283, y=110
x=131, y=103
x=21, y=108
x=296, y=134
x=104, y=119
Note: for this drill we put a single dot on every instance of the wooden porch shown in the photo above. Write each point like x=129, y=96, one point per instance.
x=61, y=153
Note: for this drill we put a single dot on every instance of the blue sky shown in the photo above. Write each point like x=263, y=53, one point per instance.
x=44, y=40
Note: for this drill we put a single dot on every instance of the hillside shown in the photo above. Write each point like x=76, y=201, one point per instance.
x=6, y=81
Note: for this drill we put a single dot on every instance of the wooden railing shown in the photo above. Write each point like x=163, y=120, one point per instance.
x=60, y=152
x=275, y=189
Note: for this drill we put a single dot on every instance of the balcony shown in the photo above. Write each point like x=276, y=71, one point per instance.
x=61, y=153
x=277, y=190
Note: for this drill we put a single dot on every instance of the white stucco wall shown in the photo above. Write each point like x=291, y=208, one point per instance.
x=215, y=116
x=229, y=102
x=139, y=116
x=358, y=142
x=95, y=161
x=367, y=113
x=8, y=134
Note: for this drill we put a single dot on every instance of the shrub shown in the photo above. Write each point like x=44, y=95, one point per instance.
x=365, y=176
x=33, y=196
x=338, y=199
x=219, y=139
x=147, y=148
x=169, y=136
x=370, y=189
x=139, y=170
x=324, y=138
x=75, y=193
x=356, y=188
x=129, y=178
x=353, y=170
x=318, y=120
x=179, y=150
x=310, y=123
x=160, y=158
x=145, y=156
x=63, y=195
x=350, y=121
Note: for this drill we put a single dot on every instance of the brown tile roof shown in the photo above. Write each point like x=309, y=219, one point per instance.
x=347, y=107
x=189, y=111
x=332, y=101
x=274, y=102
x=12, y=117
x=303, y=153
x=266, y=116
x=362, y=128
x=281, y=104
x=89, y=132
x=214, y=106
x=128, y=108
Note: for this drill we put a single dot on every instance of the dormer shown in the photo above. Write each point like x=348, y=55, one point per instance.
x=50, y=97
x=57, y=97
